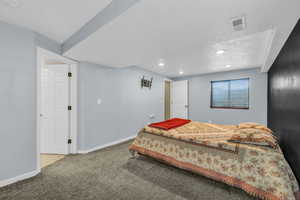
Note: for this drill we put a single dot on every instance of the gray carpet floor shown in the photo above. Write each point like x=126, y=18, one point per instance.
x=110, y=174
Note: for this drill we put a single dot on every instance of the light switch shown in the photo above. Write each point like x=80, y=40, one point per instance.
x=152, y=116
x=99, y=101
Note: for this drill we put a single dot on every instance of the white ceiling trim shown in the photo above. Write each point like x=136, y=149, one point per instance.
x=264, y=67
x=113, y=10
x=55, y=19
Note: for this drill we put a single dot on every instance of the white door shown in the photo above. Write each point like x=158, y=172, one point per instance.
x=180, y=99
x=54, y=112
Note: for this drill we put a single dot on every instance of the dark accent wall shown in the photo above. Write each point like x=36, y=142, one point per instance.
x=284, y=99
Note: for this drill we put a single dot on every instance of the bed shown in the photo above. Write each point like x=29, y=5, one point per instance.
x=207, y=149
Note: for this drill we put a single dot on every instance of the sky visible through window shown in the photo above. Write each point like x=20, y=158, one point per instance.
x=230, y=93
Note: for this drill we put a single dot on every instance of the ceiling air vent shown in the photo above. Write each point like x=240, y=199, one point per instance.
x=238, y=23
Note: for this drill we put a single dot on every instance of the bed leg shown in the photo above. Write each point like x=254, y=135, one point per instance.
x=133, y=153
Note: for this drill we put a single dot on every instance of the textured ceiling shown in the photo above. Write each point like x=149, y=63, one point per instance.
x=186, y=35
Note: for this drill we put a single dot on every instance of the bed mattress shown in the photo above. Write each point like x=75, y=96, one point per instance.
x=203, y=148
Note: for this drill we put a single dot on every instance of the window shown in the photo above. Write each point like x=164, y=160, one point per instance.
x=230, y=94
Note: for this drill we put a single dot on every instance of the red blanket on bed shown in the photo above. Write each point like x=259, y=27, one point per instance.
x=169, y=124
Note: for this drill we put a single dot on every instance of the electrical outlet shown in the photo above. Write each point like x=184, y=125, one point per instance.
x=99, y=101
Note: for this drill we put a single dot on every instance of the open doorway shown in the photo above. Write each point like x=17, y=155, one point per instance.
x=167, y=99
x=57, y=107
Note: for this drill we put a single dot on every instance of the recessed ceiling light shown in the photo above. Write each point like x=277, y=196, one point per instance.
x=219, y=52
x=181, y=72
x=227, y=66
x=161, y=63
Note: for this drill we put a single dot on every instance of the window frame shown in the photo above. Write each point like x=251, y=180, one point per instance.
x=229, y=107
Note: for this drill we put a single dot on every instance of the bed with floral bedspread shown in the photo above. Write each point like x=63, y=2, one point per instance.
x=203, y=148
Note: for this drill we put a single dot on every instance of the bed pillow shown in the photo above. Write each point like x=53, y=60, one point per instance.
x=254, y=136
x=246, y=125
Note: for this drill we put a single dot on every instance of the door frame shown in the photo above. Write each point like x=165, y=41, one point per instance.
x=171, y=96
x=42, y=54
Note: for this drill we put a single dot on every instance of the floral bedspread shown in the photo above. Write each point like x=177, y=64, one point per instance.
x=261, y=171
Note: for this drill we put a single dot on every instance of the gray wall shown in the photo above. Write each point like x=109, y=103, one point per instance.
x=18, y=99
x=17, y=102
x=137, y=103
x=125, y=107
x=96, y=122
x=199, y=98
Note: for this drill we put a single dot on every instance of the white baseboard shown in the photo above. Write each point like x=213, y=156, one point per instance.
x=106, y=145
x=36, y=172
x=19, y=178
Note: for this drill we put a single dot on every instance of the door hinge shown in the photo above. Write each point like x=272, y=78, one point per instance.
x=69, y=141
x=69, y=74
x=69, y=107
